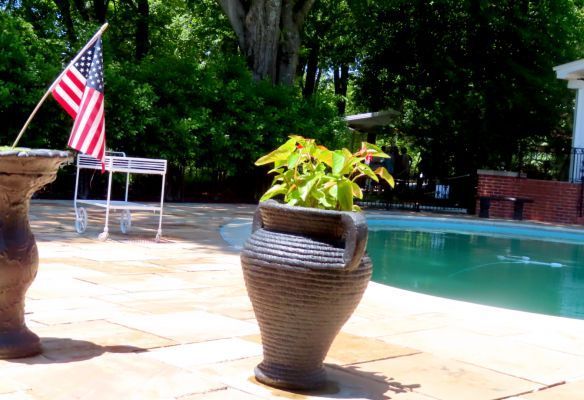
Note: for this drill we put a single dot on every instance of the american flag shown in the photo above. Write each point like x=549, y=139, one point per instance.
x=80, y=93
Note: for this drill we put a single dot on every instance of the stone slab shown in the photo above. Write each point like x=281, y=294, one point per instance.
x=115, y=376
x=444, y=378
x=568, y=391
x=506, y=356
x=193, y=355
x=342, y=383
x=189, y=327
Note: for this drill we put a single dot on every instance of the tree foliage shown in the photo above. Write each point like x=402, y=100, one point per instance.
x=183, y=94
x=473, y=79
x=330, y=48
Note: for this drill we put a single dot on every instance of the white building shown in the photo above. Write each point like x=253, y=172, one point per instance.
x=574, y=73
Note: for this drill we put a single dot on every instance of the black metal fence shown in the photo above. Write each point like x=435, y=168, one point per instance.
x=581, y=200
x=451, y=195
x=577, y=165
x=577, y=175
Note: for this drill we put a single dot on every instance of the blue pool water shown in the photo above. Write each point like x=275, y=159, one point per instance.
x=517, y=266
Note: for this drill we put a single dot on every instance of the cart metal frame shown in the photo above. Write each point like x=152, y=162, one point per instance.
x=117, y=162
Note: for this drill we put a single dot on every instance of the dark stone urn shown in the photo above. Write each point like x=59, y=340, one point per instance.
x=21, y=174
x=305, y=270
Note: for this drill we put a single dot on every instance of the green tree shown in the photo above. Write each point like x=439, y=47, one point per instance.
x=473, y=79
x=330, y=47
x=28, y=62
x=268, y=34
x=176, y=88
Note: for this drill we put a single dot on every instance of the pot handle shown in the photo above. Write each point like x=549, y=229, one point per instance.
x=355, y=239
x=257, y=220
x=356, y=233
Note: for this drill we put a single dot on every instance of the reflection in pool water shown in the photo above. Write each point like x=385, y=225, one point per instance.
x=526, y=274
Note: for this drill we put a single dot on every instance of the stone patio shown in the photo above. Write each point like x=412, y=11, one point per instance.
x=133, y=319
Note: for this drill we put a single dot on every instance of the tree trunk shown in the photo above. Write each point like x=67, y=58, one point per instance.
x=311, y=70
x=80, y=5
x=262, y=31
x=65, y=10
x=479, y=54
x=174, y=190
x=268, y=33
x=289, y=45
x=142, y=31
x=341, y=78
x=100, y=10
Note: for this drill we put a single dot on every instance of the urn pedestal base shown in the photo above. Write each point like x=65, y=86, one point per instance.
x=21, y=174
x=19, y=343
x=292, y=379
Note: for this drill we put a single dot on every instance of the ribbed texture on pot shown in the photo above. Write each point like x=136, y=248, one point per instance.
x=301, y=293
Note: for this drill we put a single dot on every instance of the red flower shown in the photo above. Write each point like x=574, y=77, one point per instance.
x=368, y=158
x=299, y=146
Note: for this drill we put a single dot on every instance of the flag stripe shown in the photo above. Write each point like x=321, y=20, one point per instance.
x=67, y=94
x=69, y=91
x=91, y=129
x=88, y=102
x=72, y=88
x=67, y=103
x=97, y=142
x=77, y=78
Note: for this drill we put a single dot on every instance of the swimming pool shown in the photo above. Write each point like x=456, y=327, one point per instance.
x=529, y=267
x=519, y=266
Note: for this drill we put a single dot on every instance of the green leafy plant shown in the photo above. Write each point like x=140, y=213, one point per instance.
x=310, y=175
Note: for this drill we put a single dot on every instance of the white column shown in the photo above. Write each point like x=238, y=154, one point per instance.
x=578, y=130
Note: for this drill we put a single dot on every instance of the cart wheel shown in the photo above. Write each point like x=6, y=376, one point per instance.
x=81, y=220
x=103, y=236
x=126, y=221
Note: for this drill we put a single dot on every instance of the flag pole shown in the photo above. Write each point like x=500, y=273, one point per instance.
x=93, y=39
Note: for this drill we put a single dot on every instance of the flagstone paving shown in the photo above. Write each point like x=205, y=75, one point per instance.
x=130, y=318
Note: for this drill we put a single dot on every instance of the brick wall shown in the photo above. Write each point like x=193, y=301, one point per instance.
x=555, y=202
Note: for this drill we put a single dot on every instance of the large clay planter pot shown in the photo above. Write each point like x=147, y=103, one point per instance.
x=305, y=271
x=21, y=174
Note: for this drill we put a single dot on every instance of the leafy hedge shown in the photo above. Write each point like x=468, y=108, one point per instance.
x=205, y=115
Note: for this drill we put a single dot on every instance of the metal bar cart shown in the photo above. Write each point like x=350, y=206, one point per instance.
x=118, y=162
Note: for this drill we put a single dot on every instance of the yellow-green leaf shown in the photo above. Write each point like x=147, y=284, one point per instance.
x=292, y=160
x=370, y=146
x=278, y=170
x=292, y=197
x=368, y=171
x=325, y=156
x=338, y=162
x=350, y=160
x=329, y=185
x=280, y=154
x=382, y=172
x=333, y=190
x=357, y=192
x=274, y=191
x=345, y=195
x=306, y=188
